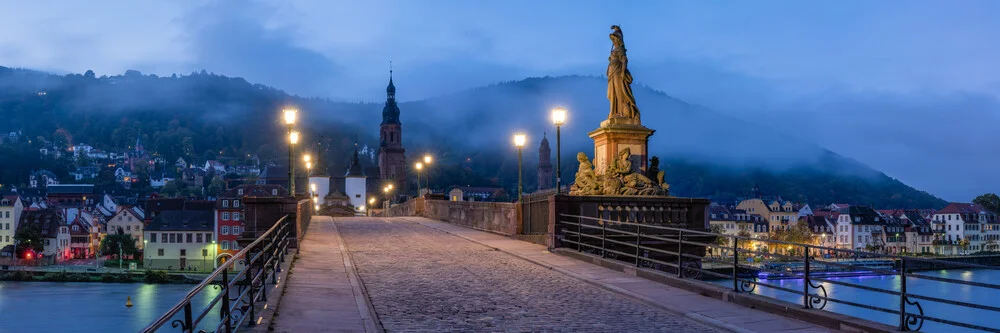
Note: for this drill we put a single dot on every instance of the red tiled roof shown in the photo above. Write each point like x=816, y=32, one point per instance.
x=961, y=208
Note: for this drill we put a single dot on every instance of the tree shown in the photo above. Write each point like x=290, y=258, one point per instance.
x=216, y=187
x=170, y=189
x=990, y=201
x=109, y=245
x=29, y=237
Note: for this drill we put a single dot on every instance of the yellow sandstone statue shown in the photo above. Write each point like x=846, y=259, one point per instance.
x=620, y=80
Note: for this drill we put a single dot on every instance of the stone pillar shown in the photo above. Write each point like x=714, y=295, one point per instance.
x=616, y=134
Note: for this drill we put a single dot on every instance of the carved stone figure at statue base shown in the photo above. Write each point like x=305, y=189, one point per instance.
x=619, y=179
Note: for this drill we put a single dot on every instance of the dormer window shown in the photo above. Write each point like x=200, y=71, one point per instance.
x=225, y=203
x=236, y=203
x=239, y=191
x=274, y=192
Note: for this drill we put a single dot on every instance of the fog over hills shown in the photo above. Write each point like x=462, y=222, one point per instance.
x=705, y=153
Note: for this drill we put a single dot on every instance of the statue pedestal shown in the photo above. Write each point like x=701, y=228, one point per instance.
x=616, y=134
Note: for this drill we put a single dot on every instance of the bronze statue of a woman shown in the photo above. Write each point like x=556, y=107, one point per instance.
x=620, y=80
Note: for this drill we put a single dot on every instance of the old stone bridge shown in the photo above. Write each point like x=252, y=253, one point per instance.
x=418, y=274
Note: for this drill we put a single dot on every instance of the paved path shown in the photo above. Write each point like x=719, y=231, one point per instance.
x=678, y=301
x=320, y=296
x=421, y=279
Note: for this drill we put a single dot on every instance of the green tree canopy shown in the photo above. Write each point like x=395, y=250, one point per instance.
x=109, y=245
x=29, y=236
x=989, y=201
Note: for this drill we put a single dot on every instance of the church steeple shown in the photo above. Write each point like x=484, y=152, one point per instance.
x=390, y=113
x=391, y=154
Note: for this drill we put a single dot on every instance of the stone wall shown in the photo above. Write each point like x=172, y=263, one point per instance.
x=496, y=217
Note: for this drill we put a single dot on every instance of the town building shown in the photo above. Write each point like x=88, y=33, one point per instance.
x=11, y=208
x=488, y=194
x=356, y=183
x=128, y=221
x=181, y=240
x=74, y=195
x=782, y=215
x=860, y=228
x=54, y=232
x=391, y=154
x=966, y=228
x=544, y=165
x=230, y=217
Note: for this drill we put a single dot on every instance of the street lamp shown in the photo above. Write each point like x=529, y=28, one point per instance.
x=427, y=162
x=293, y=139
x=371, y=203
x=558, y=118
x=309, y=166
x=419, y=166
x=519, y=140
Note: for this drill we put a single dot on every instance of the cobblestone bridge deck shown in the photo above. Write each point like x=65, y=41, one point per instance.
x=418, y=275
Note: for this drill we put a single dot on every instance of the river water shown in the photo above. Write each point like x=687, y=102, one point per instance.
x=90, y=307
x=100, y=307
x=914, y=286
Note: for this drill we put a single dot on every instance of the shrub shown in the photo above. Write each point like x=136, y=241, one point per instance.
x=157, y=276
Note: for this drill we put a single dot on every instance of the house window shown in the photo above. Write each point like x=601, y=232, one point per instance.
x=208, y=238
x=204, y=252
x=236, y=230
x=225, y=203
x=173, y=238
x=128, y=228
x=225, y=230
x=225, y=216
x=163, y=238
x=183, y=252
x=159, y=252
x=76, y=228
x=152, y=237
x=199, y=238
x=236, y=246
x=236, y=216
x=189, y=238
x=274, y=192
x=225, y=245
x=236, y=203
x=239, y=191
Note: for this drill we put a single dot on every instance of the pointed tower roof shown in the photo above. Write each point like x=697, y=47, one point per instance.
x=390, y=113
x=355, y=170
x=545, y=141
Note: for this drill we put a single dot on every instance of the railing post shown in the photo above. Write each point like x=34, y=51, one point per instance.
x=680, y=237
x=638, y=238
x=579, y=234
x=249, y=282
x=225, y=313
x=805, y=280
x=188, y=322
x=902, y=295
x=736, y=264
x=604, y=236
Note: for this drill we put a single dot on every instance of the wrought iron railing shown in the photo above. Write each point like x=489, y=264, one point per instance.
x=241, y=293
x=704, y=255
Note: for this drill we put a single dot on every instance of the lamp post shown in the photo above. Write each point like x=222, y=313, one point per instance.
x=215, y=253
x=309, y=165
x=293, y=138
x=418, y=166
x=145, y=243
x=427, y=162
x=519, y=140
x=558, y=118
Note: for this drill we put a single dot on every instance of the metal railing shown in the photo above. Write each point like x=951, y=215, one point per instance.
x=241, y=294
x=684, y=252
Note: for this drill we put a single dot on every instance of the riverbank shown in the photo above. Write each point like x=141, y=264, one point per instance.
x=148, y=276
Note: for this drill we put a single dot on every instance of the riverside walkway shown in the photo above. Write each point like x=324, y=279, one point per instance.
x=413, y=274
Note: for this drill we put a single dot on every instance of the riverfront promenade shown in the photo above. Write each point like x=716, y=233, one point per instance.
x=422, y=275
